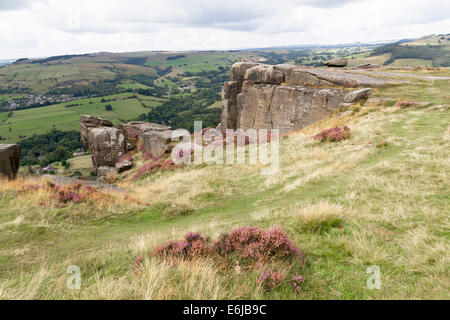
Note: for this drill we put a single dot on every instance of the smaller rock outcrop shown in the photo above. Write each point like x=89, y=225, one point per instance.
x=9, y=159
x=109, y=143
x=155, y=138
x=357, y=95
x=338, y=63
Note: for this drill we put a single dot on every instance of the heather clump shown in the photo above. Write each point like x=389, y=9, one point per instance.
x=255, y=244
x=192, y=246
x=251, y=248
x=333, y=135
x=161, y=164
x=63, y=195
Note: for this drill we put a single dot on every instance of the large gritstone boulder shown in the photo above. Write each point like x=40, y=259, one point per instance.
x=155, y=138
x=287, y=97
x=9, y=160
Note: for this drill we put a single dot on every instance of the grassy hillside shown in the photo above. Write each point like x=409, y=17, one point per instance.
x=380, y=198
x=40, y=76
x=433, y=41
x=425, y=52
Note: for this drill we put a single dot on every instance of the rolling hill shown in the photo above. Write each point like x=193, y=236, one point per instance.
x=431, y=51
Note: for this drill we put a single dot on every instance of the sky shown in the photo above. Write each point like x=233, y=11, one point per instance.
x=39, y=28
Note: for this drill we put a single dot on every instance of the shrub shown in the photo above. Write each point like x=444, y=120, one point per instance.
x=74, y=193
x=155, y=166
x=131, y=133
x=264, y=250
x=333, y=135
x=255, y=244
x=192, y=246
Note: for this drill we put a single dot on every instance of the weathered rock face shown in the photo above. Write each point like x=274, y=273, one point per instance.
x=229, y=104
x=285, y=107
x=9, y=160
x=238, y=71
x=108, y=143
x=89, y=122
x=155, y=138
x=286, y=97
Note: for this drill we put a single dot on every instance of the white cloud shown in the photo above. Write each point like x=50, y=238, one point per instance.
x=31, y=28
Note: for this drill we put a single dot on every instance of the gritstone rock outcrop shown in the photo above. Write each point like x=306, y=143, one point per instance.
x=108, y=143
x=287, y=97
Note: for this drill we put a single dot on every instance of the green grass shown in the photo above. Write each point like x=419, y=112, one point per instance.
x=412, y=62
x=40, y=120
x=364, y=58
x=195, y=62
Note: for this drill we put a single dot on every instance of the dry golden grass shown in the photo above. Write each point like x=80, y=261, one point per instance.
x=98, y=204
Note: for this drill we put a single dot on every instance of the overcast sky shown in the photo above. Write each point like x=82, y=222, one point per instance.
x=37, y=28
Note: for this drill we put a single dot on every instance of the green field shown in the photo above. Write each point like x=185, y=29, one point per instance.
x=194, y=62
x=412, y=63
x=363, y=58
x=25, y=123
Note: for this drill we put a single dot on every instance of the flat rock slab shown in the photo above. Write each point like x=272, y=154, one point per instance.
x=307, y=76
x=348, y=79
x=63, y=180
